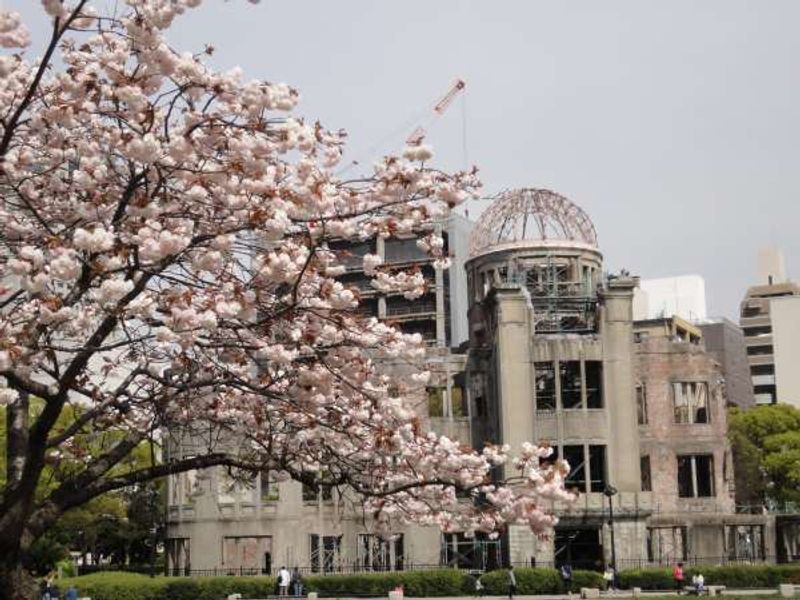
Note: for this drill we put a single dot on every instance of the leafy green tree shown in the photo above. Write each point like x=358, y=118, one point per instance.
x=766, y=452
x=119, y=525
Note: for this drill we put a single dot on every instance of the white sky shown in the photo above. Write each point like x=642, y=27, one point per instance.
x=674, y=124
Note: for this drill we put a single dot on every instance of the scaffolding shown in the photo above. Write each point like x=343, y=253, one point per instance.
x=561, y=304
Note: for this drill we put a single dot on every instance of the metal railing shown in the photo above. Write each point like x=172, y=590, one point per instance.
x=355, y=568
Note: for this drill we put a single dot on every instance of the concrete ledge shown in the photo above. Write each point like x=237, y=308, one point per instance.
x=312, y=595
x=786, y=590
x=590, y=593
x=636, y=592
x=395, y=595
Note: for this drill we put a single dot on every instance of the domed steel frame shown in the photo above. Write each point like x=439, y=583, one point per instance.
x=530, y=215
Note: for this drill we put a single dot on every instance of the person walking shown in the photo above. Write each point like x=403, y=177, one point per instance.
x=72, y=593
x=566, y=577
x=512, y=583
x=297, y=582
x=610, y=578
x=677, y=577
x=284, y=579
x=477, y=584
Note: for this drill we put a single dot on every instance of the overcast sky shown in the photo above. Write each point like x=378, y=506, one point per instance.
x=674, y=124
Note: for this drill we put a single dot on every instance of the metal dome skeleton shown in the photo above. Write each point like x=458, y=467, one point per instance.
x=530, y=215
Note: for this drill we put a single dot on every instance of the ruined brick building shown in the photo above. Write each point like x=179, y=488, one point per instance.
x=553, y=355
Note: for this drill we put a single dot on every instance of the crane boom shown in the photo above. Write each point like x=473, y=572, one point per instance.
x=416, y=137
x=448, y=98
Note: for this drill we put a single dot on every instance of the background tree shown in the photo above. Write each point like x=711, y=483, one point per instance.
x=116, y=526
x=766, y=452
x=166, y=268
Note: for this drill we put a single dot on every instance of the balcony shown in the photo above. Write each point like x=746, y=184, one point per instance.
x=760, y=359
x=763, y=339
x=757, y=321
x=763, y=379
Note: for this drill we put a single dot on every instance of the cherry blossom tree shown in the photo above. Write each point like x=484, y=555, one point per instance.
x=165, y=267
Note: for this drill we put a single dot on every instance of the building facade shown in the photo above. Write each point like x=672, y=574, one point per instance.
x=553, y=355
x=636, y=408
x=771, y=311
x=725, y=341
x=685, y=457
x=216, y=523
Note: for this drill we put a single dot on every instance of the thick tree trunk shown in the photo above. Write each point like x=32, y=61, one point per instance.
x=16, y=582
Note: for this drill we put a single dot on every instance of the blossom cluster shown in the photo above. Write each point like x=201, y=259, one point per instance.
x=166, y=262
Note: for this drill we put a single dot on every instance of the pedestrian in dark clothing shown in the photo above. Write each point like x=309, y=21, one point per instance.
x=297, y=583
x=72, y=593
x=512, y=583
x=566, y=577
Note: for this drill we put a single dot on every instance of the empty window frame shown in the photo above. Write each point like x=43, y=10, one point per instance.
x=324, y=552
x=690, y=401
x=569, y=372
x=597, y=468
x=245, y=552
x=587, y=466
x=436, y=401
x=574, y=455
x=312, y=493
x=696, y=476
x=269, y=490
x=375, y=553
x=647, y=478
x=545, y=386
x=594, y=383
x=744, y=542
x=459, y=401
x=228, y=489
x=666, y=545
x=641, y=404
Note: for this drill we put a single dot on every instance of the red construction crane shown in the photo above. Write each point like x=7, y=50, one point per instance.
x=416, y=137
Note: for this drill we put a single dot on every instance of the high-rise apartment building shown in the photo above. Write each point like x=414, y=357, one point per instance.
x=770, y=320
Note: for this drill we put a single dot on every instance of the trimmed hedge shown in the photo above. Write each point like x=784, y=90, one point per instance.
x=131, y=586
x=733, y=576
x=116, y=585
x=442, y=582
x=538, y=581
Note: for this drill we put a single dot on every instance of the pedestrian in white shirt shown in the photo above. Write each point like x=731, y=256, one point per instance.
x=284, y=579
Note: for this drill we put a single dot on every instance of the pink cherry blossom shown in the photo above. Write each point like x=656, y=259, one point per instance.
x=167, y=267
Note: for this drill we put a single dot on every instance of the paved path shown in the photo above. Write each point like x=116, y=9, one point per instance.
x=604, y=595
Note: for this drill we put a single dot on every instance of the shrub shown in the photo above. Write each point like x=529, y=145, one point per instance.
x=732, y=576
x=131, y=586
x=587, y=579
x=442, y=582
x=659, y=578
x=529, y=581
x=115, y=585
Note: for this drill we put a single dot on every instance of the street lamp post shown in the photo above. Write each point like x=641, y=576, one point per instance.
x=610, y=491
